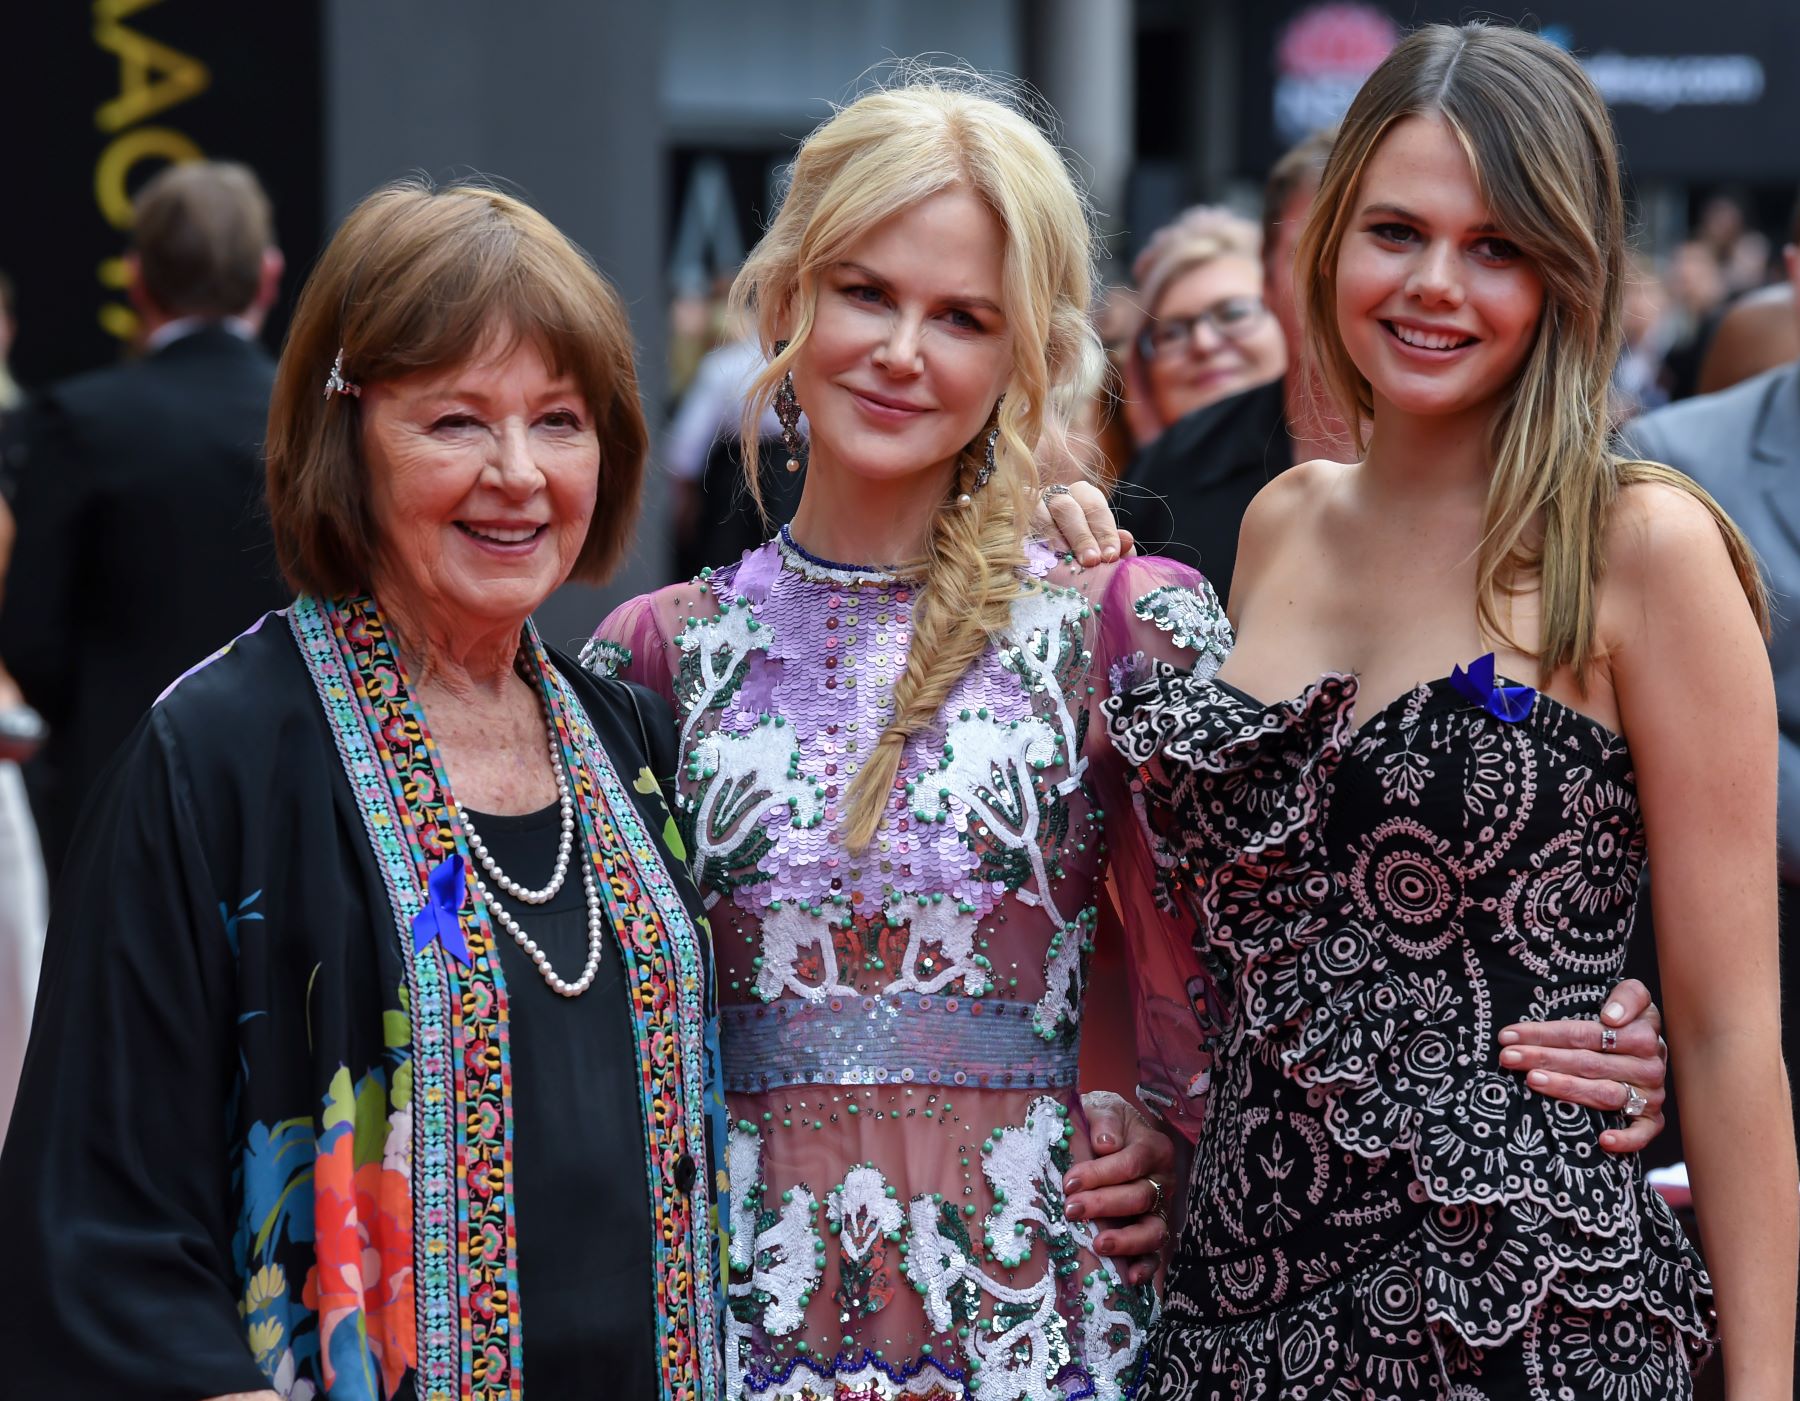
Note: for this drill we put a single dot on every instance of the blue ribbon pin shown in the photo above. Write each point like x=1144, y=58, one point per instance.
x=1509, y=703
x=438, y=919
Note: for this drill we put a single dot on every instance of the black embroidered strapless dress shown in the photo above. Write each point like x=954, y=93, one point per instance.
x=1377, y=1209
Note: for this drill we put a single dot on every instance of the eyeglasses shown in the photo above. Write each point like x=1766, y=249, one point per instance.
x=1234, y=319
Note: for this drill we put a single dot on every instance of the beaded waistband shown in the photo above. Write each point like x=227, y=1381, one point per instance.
x=904, y=1039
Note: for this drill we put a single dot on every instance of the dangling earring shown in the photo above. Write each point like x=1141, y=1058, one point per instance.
x=787, y=409
x=985, y=473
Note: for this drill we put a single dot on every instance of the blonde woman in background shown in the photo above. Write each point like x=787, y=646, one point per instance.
x=1204, y=333
x=895, y=797
x=1393, y=870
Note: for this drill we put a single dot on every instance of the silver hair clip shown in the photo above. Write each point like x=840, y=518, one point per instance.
x=335, y=383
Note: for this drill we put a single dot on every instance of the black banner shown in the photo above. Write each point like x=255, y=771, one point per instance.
x=1699, y=93
x=105, y=94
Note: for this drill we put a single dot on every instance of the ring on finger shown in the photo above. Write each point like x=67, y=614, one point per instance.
x=1635, y=1102
x=1609, y=1038
x=1158, y=1208
x=1058, y=489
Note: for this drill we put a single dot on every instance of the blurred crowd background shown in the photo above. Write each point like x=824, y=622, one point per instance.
x=655, y=135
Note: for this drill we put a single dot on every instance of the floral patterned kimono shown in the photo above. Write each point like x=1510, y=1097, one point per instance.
x=900, y=1027
x=270, y=1134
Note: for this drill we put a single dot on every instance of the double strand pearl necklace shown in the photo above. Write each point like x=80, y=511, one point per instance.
x=596, y=921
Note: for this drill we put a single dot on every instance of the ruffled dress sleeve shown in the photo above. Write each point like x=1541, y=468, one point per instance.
x=1154, y=614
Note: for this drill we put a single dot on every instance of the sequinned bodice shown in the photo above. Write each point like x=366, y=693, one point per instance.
x=899, y=1026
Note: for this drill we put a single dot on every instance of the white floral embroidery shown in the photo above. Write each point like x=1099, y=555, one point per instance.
x=715, y=653
x=1102, y=1326
x=1046, y=644
x=743, y=782
x=1018, y=1359
x=783, y=1260
x=785, y=932
x=863, y=1209
x=952, y=929
x=988, y=768
x=1194, y=619
x=1027, y=1186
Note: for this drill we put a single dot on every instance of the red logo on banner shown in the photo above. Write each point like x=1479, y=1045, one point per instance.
x=1322, y=57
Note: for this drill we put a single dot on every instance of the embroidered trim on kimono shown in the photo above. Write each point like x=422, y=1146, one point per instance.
x=467, y=1304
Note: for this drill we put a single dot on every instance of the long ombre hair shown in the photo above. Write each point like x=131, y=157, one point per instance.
x=884, y=153
x=1541, y=144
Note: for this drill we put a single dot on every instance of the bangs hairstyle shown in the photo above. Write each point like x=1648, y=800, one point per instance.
x=1540, y=142
x=938, y=130
x=418, y=278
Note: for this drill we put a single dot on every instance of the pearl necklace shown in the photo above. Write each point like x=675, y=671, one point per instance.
x=566, y=807
x=596, y=920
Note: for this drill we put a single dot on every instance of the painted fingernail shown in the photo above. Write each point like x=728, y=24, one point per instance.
x=1090, y=556
x=1538, y=1079
x=1074, y=1211
x=1104, y=1140
x=1614, y=1011
x=1514, y=1057
x=1508, y=1037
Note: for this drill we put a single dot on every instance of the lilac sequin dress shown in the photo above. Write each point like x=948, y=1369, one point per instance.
x=900, y=1028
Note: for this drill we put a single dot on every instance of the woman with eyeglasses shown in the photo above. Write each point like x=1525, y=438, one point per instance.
x=1206, y=333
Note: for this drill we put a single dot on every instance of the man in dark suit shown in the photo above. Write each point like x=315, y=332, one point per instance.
x=142, y=543
x=1743, y=445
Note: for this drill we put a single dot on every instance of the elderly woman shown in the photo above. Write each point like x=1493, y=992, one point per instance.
x=375, y=1056
x=375, y=1021
x=1205, y=333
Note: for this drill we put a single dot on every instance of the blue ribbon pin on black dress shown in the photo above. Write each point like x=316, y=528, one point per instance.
x=1509, y=703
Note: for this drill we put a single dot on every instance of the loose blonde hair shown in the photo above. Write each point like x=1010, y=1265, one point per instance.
x=939, y=130
x=414, y=279
x=1538, y=137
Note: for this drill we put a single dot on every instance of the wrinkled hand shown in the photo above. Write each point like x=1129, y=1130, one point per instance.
x=1114, y=1191
x=1085, y=522
x=1563, y=1059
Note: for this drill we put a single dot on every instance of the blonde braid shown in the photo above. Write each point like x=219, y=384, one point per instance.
x=974, y=560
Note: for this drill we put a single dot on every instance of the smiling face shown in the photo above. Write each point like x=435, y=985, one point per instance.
x=1231, y=343
x=1435, y=306
x=910, y=346
x=482, y=478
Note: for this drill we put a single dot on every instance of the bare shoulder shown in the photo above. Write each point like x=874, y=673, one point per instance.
x=1282, y=512
x=1672, y=571
x=1659, y=532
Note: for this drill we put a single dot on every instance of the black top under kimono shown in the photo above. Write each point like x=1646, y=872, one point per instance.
x=222, y=945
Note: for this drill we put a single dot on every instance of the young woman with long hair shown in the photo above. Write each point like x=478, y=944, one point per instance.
x=1390, y=870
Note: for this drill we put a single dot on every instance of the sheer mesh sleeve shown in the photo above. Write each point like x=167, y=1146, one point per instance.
x=1150, y=610
x=636, y=642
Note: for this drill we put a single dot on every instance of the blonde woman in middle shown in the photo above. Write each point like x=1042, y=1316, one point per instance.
x=895, y=796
